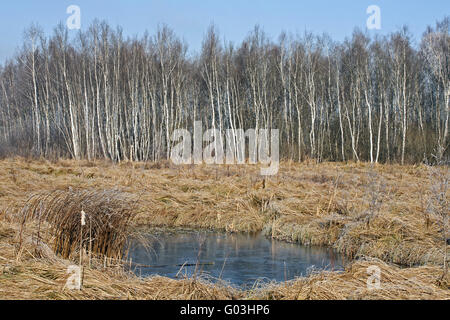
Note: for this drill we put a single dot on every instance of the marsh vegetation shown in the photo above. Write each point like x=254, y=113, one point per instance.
x=390, y=216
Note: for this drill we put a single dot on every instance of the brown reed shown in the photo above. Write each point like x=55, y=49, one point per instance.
x=108, y=216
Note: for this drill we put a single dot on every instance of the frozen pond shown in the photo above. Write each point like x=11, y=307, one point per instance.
x=237, y=258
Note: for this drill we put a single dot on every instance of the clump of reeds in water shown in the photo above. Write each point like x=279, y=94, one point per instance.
x=108, y=214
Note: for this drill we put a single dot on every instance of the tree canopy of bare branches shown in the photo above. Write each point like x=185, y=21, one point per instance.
x=98, y=95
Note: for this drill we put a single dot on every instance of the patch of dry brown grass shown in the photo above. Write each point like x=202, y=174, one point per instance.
x=419, y=283
x=30, y=277
x=27, y=276
x=107, y=217
x=361, y=210
x=377, y=211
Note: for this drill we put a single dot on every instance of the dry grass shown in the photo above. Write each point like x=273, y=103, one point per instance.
x=418, y=283
x=27, y=276
x=107, y=217
x=30, y=277
x=382, y=212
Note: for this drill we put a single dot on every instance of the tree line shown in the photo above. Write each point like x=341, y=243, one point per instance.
x=99, y=95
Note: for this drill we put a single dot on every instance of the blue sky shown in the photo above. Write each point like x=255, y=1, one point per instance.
x=234, y=18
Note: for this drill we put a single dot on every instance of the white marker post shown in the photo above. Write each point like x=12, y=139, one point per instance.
x=83, y=222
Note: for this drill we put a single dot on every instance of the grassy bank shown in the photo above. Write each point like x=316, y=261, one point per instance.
x=381, y=215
